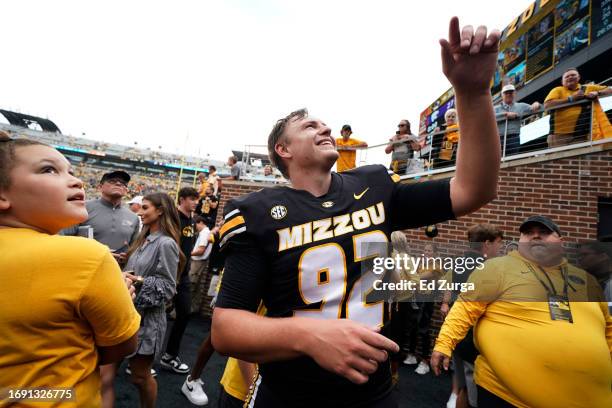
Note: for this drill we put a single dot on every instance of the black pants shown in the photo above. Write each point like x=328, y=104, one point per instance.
x=487, y=399
x=182, y=305
x=419, y=322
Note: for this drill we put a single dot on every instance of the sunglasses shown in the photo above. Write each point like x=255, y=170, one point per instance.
x=401, y=125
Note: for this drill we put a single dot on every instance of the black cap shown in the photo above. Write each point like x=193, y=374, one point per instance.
x=542, y=220
x=347, y=127
x=117, y=174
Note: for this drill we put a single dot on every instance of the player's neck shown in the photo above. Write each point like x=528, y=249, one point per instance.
x=315, y=183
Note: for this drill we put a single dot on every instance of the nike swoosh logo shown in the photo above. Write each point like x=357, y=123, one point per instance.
x=358, y=196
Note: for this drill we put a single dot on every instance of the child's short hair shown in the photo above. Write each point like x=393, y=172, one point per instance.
x=8, y=146
x=199, y=218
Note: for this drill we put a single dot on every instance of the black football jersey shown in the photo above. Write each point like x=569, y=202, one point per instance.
x=308, y=255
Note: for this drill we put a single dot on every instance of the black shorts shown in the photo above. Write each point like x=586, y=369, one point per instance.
x=262, y=397
x=229, y=401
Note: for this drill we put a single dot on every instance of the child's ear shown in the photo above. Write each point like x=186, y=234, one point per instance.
x=5, y=204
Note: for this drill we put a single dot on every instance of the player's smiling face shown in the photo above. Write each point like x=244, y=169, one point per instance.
x=309, y=142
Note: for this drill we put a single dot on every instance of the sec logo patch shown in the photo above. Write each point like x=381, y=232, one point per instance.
x=278, y=212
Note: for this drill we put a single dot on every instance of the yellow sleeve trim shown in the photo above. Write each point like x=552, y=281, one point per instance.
x=231, y=224
x=395, y=177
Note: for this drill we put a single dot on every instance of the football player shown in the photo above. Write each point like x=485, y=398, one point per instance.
x=300, y=248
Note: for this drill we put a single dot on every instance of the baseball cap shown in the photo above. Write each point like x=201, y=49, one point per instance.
x=508, y=88
x=117, y=174
x=347, y=127
x=136, y=200
x=542, y=220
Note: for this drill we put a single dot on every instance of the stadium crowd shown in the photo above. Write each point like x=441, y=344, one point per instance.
x=537, y=338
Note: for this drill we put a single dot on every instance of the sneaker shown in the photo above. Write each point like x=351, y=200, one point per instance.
x=129, y=372
x=194, y=391
x=410, y=359
x=423, y=368
x=174, y=363
x=452, y=401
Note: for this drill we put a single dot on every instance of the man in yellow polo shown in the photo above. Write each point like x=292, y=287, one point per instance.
x=544, y=336
x=571, y=124
x=347, y=149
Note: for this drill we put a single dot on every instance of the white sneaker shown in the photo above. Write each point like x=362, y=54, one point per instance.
x=423, y=368
x=452, y=401
x=410, y=359
x=129, y=372
x=194, y=391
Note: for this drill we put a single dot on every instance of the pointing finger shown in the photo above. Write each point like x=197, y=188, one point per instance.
x=453, y=32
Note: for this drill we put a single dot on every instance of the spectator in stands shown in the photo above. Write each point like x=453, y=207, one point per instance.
x=402, y=147
x=187, y=201
x=203, y=180
x=268, y=172
x=347, y=146
x=542, y=341
x=64, y=306
x=485, y=242
x=207, y=207
x=450, y=140
x=155, y=261
x=213, y=180
x=508, y=114
x=235, y=168
x=571, y=124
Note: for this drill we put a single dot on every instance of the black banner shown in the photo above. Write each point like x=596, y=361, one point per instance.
x=540, y=47
x=601, y=18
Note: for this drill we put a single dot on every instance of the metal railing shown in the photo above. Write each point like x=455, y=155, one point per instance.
x=563, y=127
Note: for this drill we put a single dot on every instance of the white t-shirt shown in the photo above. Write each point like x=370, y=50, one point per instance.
x=200, y=242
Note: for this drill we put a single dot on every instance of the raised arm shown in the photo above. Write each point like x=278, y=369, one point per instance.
x=468, y=61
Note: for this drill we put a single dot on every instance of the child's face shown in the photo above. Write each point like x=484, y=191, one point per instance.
x=44, y=194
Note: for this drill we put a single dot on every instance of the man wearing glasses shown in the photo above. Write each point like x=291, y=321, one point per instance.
x=113, y=224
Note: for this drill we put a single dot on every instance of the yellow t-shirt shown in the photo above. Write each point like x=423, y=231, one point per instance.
x=566, y=118
x=452, y=133
x=526, y=358
x=346, y=161
x=60, y=297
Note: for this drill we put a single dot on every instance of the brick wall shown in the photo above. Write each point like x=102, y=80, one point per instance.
x=565, y=189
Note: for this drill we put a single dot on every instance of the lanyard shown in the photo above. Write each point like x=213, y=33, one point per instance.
x=551, y=291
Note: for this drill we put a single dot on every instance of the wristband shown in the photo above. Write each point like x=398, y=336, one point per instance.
x=570, y=99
